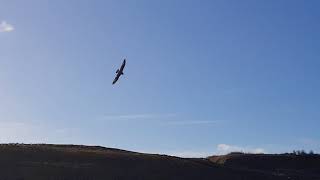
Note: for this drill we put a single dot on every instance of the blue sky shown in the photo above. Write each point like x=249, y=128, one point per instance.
x=202, y=77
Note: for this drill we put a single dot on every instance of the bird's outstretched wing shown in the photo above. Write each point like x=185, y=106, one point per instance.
x=116, y=79
x=119, y=72
x=123, y=65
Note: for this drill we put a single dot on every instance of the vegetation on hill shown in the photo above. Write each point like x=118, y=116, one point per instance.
x=73, y=162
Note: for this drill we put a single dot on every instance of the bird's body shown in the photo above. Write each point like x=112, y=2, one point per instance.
x=119, y=72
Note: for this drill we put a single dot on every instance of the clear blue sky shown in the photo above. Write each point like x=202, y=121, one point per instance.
x=202, y=77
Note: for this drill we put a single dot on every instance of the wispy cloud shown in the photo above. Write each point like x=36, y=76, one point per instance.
x=226, y=148
x=6, y=27
x=192, y=122
x=23, y=132
x=164, y=119
x=137, y=116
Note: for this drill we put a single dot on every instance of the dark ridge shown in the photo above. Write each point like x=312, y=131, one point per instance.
x=306, y=166
x=79, y=162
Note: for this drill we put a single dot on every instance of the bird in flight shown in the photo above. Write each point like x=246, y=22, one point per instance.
x=119, y=72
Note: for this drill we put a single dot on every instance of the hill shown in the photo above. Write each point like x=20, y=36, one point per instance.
x=288, y=165
x=74, y=162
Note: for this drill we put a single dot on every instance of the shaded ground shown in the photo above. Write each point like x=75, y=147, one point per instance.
x=288, y=165
x=68, y=162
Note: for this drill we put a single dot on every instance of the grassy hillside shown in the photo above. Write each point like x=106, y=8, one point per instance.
x=290, y=165
x=72, y=162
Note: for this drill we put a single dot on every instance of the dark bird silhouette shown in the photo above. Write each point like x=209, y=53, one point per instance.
x=119, y=72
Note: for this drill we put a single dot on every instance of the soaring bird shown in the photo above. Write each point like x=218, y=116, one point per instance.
x=119, y=72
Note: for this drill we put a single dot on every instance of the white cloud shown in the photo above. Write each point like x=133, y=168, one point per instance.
x=191, y=122
x=6, y=27
x=137, y=116
x=225, y=149
x=166, y=119
x=22, y=132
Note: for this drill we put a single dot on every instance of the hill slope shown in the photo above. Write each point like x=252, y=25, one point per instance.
x=288, y=165
x=68, y=162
